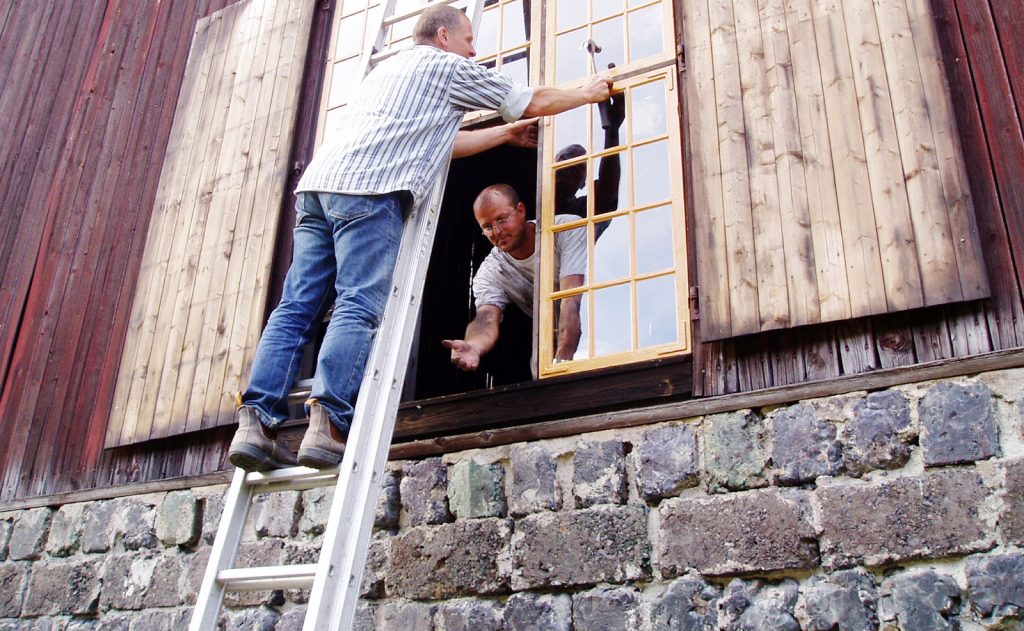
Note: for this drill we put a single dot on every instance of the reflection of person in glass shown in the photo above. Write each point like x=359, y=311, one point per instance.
x=506, y=275
x=569, y=181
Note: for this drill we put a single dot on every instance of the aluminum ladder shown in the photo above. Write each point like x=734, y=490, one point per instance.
x=336, y=578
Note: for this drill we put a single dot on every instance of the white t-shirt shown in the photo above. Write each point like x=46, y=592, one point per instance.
x=502, y=278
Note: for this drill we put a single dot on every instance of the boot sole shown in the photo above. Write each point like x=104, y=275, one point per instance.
x=251, y=458
x=315, y=458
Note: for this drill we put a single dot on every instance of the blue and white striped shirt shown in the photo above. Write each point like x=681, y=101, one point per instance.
x=398, y=133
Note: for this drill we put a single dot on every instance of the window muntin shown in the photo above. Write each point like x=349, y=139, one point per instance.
x=632, y=304
x=631, y=34
x=503, y=41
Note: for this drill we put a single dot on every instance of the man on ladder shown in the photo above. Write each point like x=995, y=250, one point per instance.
x=398, y=134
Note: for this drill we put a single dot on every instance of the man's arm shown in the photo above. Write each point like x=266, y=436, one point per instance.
x=521, y=133
x=609, y=172
x=547, y=101
x=568, y=319
x=481, y=336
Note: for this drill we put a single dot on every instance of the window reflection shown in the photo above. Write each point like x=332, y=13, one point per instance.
x=570, y=187
x=350, y=31
x=514, y=25
x=517, y=67
x=604, y=8
x=654, y=240
x=650, y=173
x=570, y=13
x=581, y=305
x=611, y=250
x=656, y=311
x=645, y=33
x=571, y=58
x=343, y=76
x=613, y=322
x=486, y=41
x=606, y=119
x=609, y=35
x=648, y=111
x=570, y=129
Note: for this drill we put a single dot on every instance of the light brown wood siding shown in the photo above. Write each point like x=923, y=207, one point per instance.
x=829, y=182
x=200, y=300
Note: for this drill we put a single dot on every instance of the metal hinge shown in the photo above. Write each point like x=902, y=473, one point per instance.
x=695, y=303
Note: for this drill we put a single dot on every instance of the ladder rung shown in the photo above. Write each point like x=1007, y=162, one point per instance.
x=291, y=479
x=300, y=392
x=257, y=579
x=411, y=13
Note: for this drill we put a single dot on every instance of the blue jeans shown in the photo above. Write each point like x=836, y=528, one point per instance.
x=344, y=253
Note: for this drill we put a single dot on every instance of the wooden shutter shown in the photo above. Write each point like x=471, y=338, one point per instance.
x=200, y=299
x=828, y=179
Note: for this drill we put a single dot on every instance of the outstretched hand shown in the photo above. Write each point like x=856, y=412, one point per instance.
x=523, y=133
x=463, y=354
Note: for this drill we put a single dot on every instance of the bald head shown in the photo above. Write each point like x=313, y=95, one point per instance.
x=434, y=19
x=496, y=193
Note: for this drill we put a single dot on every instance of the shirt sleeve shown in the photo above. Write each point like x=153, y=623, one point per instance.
x=477, y=88
x=572, y=248
x=487, y=289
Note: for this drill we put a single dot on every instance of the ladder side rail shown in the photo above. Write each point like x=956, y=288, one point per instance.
x=222, y=553
x=366, y=58
x=338, y=582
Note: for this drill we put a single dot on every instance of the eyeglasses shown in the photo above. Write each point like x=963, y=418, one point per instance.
x=500, y=221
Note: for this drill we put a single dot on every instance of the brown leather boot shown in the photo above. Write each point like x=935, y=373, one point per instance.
x=255, y=447
x=323, y=444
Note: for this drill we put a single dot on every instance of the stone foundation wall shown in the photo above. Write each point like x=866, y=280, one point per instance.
x=897, y=509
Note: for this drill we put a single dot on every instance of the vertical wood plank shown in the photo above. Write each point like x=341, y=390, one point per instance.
x=897, y=247
x=894, y=341
x=702, y=127
x=732, y=138
x=937, y=259
x=794, y=214
x=856, y=347
x=823, y=206
x=856, y=211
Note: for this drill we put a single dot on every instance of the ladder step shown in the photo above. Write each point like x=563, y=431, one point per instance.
x=258, y=579
x=411, y=13
x=291, y=479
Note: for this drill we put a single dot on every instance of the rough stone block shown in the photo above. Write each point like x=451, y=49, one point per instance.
x=291, y=620
x=460, y=559
x=666, y=461
x=257, y=554
x=476, y=490
x=212, y=506
x=163, y=620
x=316, y=506
x=256, y=619
x=599, y=473
x=136, y=524
x=29, y=534
x=179, y=519
x=65, y=530
x=423, y=491
x=996, y=587
x=405, y=617
x=194, y=574
x=277, y=514
x=389, y=506
x=534, y=485
x=468, y=615
x=126, y=578
x=99, y=529
x=366, y=617
x=844, y=600
x=606, y=609
x=1011, y=520
x=164, y=588
x=688, y=604
x=583, y=547
x=878, y=436
x=760, y=606
x=535, y=612
x=921, y=601
x=13, y=581
x=64, y=588
x=6, y=526
x=300, y=552
x=114, y=621
x=1006, y=384
x=755, y=531
x=930, y=516
x=959, y=424
x=803, y=446
x=734, y=448
x=377, y=562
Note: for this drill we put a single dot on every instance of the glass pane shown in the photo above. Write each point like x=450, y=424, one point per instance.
x=350, y=31
x=607, y=120
x=514, y=27
x=648, y=111
x=372, y=17
x=613, y=321
x=637, y=3
x=656, y=311
x=332, y=121
x=517, y=67
x=570, y=58
x=645, y=33
x=610, y=37
x=654, y=250
x=571, y=13
x=650, y=173
x=343, y=77
x=611, y=189
x=611, y=252
x=486, y=41
x=405, y=42
x=353, y=5
x=571, y=129
x=605, y=8
x=571, y=249
x=571, y=190
x=573, y=314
